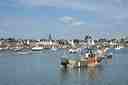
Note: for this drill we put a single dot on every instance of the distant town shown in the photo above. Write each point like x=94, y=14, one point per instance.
x=12, y=43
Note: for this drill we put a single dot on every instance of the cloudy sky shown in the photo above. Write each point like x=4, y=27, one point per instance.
x=63, y=18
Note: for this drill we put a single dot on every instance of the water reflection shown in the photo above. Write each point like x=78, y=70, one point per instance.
x=109, y=61
x=95, y=73
x=80, y=74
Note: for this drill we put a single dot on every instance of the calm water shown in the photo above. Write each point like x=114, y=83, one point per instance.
x=43, y=69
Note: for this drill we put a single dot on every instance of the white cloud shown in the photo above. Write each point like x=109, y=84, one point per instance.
x=73, y=21
x=66, y=19
x=78, y=23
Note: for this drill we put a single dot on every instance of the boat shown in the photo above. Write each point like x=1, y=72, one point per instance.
x=101, y=52
x=37, y=48
x=17, y=49
x=53, y=49
x=109, y=56
x=1, y=48
x=23, y=51
x=73, y=50
x=4, y=49
x=91, y=58
x=118, y=47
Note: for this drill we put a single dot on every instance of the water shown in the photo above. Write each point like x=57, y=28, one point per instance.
x=42, y=68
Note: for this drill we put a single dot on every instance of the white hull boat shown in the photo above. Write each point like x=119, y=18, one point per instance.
x=37, y=48
x=53, y=49
x=118, y=48
x=73, y=50
x=1, y=48
x=23, y=53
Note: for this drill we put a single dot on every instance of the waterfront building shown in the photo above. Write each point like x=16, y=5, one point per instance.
x=71, y=42
x=50, y=37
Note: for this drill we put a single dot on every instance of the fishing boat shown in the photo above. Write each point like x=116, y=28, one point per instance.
x=91, y=58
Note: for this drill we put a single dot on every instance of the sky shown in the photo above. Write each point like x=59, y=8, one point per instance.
x=67, y=19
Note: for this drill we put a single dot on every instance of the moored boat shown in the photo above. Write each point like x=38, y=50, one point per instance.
x=90, y=59
x=23, y=51
x=17, y=49
x=1, y=48
x=73, y=50
x=53, y=49
x=118, y=47
x=37, y=48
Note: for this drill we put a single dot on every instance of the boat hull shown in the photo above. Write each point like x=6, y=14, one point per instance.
x=80, y=63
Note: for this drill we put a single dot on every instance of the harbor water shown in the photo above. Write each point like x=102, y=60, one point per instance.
x=42, y=68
